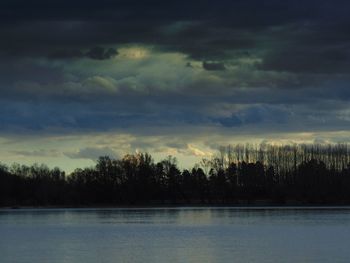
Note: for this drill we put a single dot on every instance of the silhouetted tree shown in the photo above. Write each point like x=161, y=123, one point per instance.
x=298, y=173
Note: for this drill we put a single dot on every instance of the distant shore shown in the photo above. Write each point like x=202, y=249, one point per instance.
x=292, y=175
x=257, y=204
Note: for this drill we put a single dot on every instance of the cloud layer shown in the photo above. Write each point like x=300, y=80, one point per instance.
x=136, y=68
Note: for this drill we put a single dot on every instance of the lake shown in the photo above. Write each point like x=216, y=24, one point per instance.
x=269, y=234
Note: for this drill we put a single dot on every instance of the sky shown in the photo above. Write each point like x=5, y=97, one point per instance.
x=81, y=79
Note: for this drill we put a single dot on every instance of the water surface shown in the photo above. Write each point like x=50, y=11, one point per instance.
x=175, y=235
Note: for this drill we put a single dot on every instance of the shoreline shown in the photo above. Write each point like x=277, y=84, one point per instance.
x=175, y=206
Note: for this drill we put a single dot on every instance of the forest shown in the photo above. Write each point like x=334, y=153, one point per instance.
x=237, y=175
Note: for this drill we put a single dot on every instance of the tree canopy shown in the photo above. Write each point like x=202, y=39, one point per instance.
x=240, y=174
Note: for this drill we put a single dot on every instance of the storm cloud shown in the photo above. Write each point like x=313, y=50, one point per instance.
x=157, y=68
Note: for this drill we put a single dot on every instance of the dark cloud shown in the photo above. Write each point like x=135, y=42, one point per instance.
x=202, y=29
x=256, y=115
x=92, y=153
x=246, y=12
x=274, y=53
x=232, y=121
x=319, y=47
x=67, y=54
x=213, y=66
x=98, y=53
x=37, y=153
x=101, y=53
x=309, y=61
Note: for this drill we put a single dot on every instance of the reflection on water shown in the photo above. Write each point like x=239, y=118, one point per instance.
x=175, y=235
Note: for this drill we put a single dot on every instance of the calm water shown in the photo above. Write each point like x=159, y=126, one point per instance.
x=175, y=235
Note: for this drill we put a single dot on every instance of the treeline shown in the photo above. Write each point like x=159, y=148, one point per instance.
x=241, y=174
